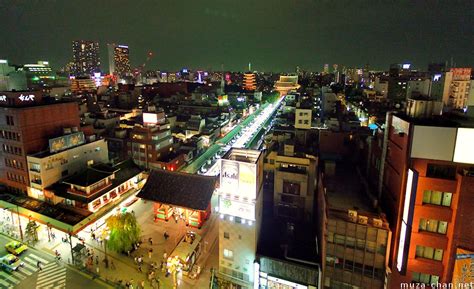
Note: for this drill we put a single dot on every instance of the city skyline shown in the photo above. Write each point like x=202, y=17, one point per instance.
x=312, y=34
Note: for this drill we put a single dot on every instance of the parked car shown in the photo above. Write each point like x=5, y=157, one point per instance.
x=15, y=247
x=11, y=262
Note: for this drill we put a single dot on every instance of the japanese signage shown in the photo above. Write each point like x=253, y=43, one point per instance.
x=463, y=268
x=229, y=177
x=66, y=141
x=27, y=97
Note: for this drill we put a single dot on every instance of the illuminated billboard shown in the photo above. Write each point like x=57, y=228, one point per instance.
x=407, y=219
x=463, y=268
x=238, y=178
x=66, y=141
x=150, y=118
x=237, y=209
x=463, y=153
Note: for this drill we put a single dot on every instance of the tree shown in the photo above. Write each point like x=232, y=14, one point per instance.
x=124, y=232
x=31, y=231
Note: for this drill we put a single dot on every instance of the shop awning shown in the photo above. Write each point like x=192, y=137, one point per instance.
x=189, y=191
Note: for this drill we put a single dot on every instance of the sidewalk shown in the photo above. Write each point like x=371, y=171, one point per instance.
x=125, y=267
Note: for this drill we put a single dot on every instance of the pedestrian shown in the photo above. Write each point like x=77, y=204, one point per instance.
x=150, y=240
x=142, y=284
x=97, y=260
x=38, y=264
x=112, y=265
x=149, y=253
x=93, y=236
x=131, y=284
x=135, y=260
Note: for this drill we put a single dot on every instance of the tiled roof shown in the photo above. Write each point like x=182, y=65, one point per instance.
x=179, y=189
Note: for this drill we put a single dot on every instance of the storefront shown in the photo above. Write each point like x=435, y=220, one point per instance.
x=192, y=218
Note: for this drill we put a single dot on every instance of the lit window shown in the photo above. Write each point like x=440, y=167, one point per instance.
x=437, y=198
x=434, y=226
x=228, y=254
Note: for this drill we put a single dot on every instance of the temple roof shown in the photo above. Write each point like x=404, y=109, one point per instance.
x=179, y=189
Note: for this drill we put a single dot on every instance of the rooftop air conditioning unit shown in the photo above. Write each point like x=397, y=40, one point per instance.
x=362, y=220
x=377, y=222
x=352, y=215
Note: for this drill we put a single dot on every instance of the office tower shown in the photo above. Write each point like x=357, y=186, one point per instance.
x=85, y=57
x=240, y=205
x=119, y=59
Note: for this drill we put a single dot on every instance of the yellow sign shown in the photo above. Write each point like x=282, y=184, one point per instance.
x=463, y=268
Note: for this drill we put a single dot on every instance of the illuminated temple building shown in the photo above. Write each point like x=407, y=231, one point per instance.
x=180, y=196
x=287, y=83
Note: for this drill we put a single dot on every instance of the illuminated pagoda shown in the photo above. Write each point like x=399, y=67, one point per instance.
x=179, y=196
x=249, y=82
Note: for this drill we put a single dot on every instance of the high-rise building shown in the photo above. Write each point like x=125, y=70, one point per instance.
x=119, y=59
x=240, y=208
x=427, y=192
x=249, y=82
x=459, y=89
x=85, y=57
x=26, y=123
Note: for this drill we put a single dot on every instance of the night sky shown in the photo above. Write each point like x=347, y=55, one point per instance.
x=274, y=35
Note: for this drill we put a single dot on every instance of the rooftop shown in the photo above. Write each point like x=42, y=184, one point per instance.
x=179, y=189
x=451, y=119
x=123, y=171
x=344, y=189
x=243, y=155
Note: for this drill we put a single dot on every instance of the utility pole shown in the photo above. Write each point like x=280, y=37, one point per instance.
x=70, y=244
x=19, y=222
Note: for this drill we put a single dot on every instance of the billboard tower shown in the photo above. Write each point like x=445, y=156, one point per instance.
x=240, y=208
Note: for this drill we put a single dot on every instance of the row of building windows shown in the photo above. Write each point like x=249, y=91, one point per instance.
x=437, y=198
x=433, y=226
x=424, y=278
x=358, y=268
x=12, y=150
x=429, y=253
x=10, y=135
x=360, y=244
x=16, y=178
x=14, y=164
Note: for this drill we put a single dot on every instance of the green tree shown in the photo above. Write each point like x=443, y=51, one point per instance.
x=124, y=232
x=31, y=231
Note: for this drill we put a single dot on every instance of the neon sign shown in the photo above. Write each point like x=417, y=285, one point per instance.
x=28, y=97
x=3, y=98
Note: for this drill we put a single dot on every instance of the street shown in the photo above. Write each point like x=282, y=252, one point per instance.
x=53, y=274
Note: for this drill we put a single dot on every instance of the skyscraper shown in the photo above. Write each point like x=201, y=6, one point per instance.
x=85, y=57
x=119, y=59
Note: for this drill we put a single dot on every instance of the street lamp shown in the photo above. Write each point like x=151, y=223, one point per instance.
x=19, y=220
